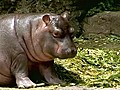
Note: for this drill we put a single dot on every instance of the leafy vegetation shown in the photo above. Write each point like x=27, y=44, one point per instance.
x=93, y=67
x=107, y=5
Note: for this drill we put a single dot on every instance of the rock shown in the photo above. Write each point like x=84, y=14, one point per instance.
x=107, y=22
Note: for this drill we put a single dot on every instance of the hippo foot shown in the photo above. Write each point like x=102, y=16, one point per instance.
x=54, y=80
x=25, y=83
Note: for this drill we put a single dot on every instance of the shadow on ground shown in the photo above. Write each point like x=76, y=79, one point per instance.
x=68, y=76
x=63, y=74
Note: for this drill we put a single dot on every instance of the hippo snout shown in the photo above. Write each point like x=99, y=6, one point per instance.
x=71, y=52
x=68, y=53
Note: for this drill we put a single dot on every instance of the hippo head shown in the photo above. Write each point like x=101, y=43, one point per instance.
x=55, y=37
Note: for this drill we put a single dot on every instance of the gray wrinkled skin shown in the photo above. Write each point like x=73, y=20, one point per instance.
x=33, y=41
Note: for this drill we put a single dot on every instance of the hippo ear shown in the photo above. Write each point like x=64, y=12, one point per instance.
x=65, y=15
x=46, y=19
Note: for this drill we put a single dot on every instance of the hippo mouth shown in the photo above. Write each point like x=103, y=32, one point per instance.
x=65, y=56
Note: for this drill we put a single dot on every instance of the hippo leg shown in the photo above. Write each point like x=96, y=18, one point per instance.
x=19, y=69
x=48, y=72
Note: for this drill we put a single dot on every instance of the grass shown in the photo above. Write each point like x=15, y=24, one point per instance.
x=97, y=63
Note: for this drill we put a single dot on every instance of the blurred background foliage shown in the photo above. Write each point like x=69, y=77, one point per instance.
x=78, y=9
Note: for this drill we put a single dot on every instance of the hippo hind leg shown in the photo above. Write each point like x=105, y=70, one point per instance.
x=6, y=81
x=47, y=71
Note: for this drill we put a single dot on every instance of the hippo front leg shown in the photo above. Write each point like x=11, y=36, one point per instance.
x=19, y=69
x=48, y=72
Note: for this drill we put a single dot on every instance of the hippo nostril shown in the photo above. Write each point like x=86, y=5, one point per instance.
x=70, y=51
x=73, y=50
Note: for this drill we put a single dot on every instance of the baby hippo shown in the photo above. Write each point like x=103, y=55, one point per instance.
x=33, y=41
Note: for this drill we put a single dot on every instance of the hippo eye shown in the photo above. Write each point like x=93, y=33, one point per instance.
x=56, y=34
